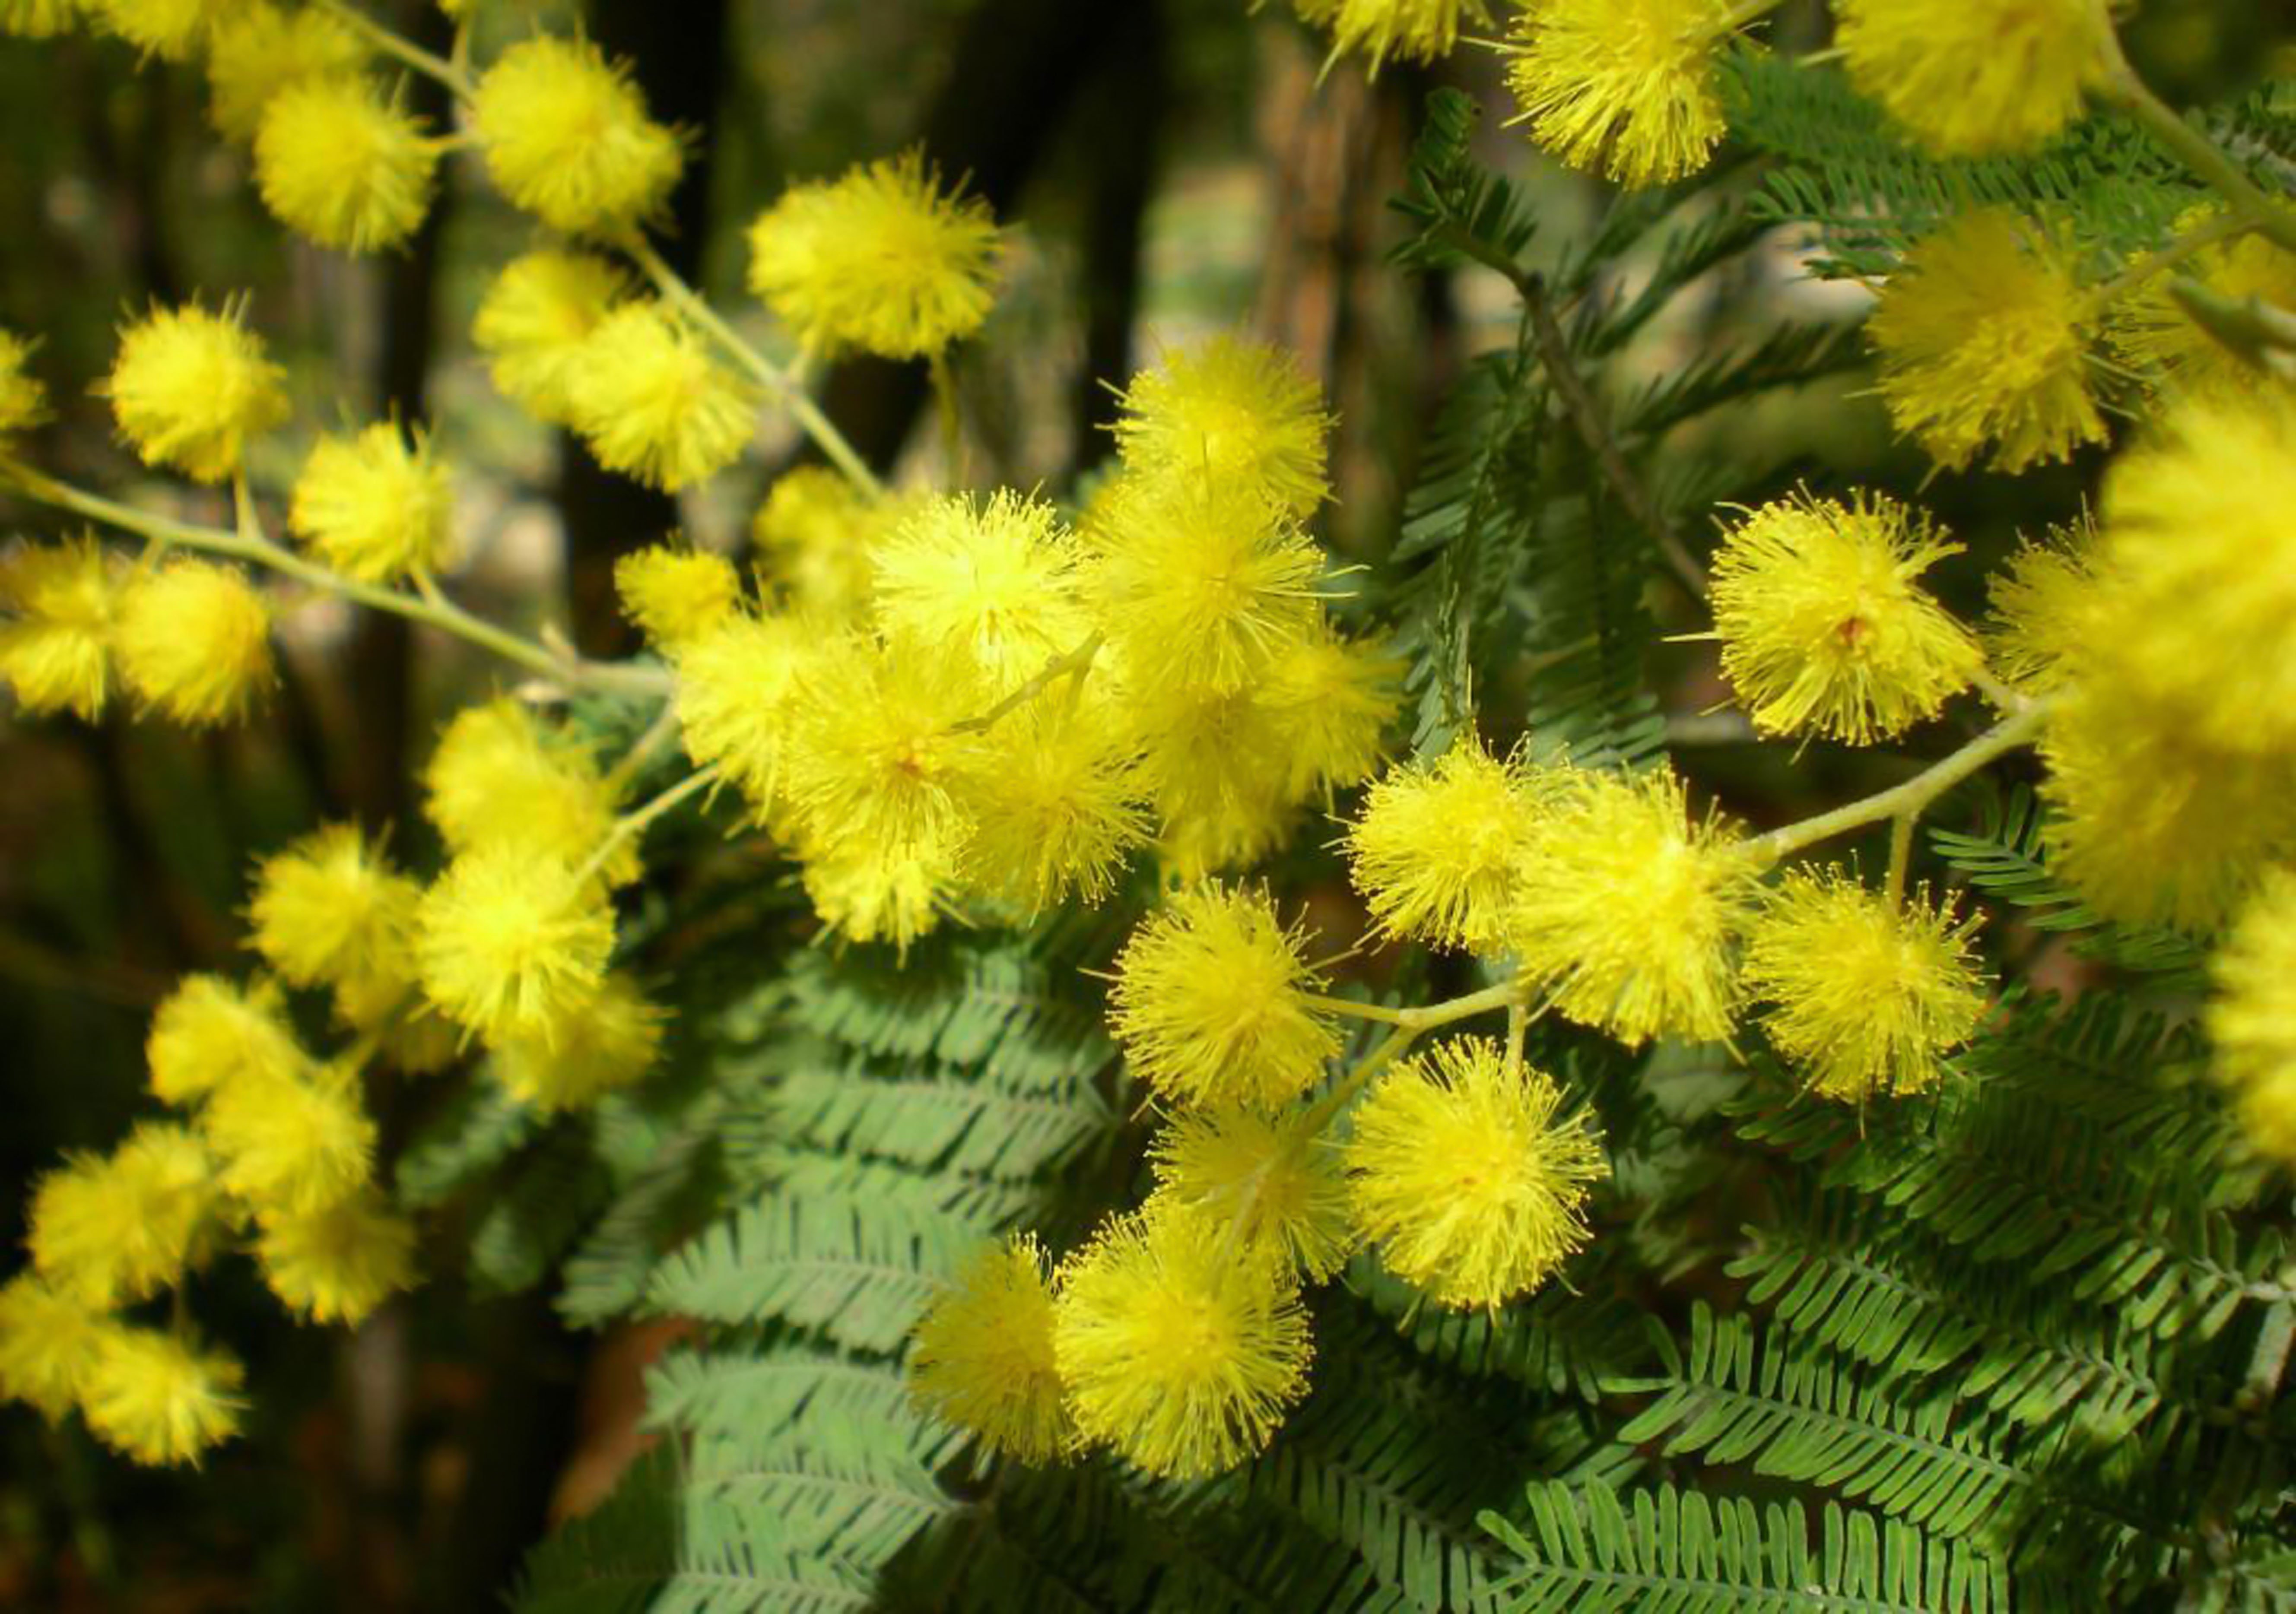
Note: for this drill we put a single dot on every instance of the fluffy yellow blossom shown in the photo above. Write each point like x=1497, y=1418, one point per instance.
x=1198, y=582
x=1212, y=1002
x=1983, y=336
x=257, y=51
x=375, y=506
x=1866, y=993
x=2252, y=1017
x=191, y=385
x=194, y=641
x=1824, y=630
x=106, y=1230
x=997, y=577
x=815, y=534
x=1973, y=77
x=499, y=778
x=983, y=1357
x=566, y=136
x=39, y=19
x=534, y=321
x=1626, y=908
x=1276, y=1181
x=2201, y=564
x=1176, y=1348
x=737, y=689
x=330, y=909
x=48, y=1340
x=1461, y=1170
x=652, y=403
x=880, y=763
x=2154, y=336
x=56, y=639
x=210, y=1030
x=676, y=596
x=610, y=1040
x=1336, y=696
x=339, y=1263
x=1437, y=847
x=24, y=401
x=1230, y=411
x=1404, y=30
x=171, y=29
x=2045, y=607
x=292, y=1146
x=340, y=160
x=881, y=893
x=159, y=1399
x=384, y=1001
x=1220, y=763
x=1620, y=88
x=1060, y=810
x=511, y=945
x=879, y=259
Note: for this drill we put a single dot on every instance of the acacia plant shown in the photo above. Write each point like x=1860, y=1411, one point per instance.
x=1647, y=1208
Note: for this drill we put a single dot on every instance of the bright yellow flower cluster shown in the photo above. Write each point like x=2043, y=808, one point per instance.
x=1625, y=88
x=566, y=137
x=1974, y=77
x=339, y=159
x=191, y=387
x=2252, y=1019
x=1408, y=30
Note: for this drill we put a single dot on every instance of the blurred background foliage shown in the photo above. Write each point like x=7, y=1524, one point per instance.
x=1170, y=168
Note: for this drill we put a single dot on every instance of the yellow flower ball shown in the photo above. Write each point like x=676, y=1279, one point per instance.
x=375, y=506
x=2154, y=335
x=1983, y=336
x=1437, y=846
x=2046, y=606
x=291, y=1146
x=534, y=320
x=258, y=49
x=997, y=577
x=737, y=689
x=1976, y=78
x=158, y=1400
x=194, y=641
x=1212, y=1002
x=330, y=909
x=566, y=137
x=1231, y=411
x=109, y=1230
x=1336, y=696
x=56, y=640
x=2251, y=1018
x=1176, y=1351
x=39, y=18
x=983, y=1357
x=341, y=161
x=815, y=534
x=1219, y=763
x=880, y=260
x=1463, y=1172
x=1405, y=30
x=24, y=400
x=1625, y=88
x=500, y=778
x=652, y=403
x=48, y=1340
x=676, y=596
x=867, y=893
x=171, y=29
x=512, y=946
x=210, y=1031
x=1275, y=1180
x=339, y=1263
x=191, y=387
x=610, y=1040
x=1062, y=809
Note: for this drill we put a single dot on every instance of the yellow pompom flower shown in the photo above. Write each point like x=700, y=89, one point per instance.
x=171, y=29
x=1620, y=88
x=499, y=778
x=2201, y=562
x=983, y=1357
x=292, y=1146
x=652, y=403
x=2154, y=336
x=1404, y=30
x=1437, y=847
x=330, y=909
x=880, y=260
x=48, y=1340
x=1219, y=764
x=1275, y=1181
x=1626, y=908
x=1175, y=1347
x=194, y=641
x=1335, y=697
x=210, y=1030
x=24, y=401
x=1230, y=411
x=1976, y=78
x=815, y=534
x=1983, y=337
x=511, y=946
x=1824, y=630
x=2251, y=1018
x=609, y=1040
x=341, y=161
x=1060, y=810
x=879, y=894
x=1463, y=1172
x=158, y=1400
x=39, y=18
x=1866, y=993
x=676, y=596
x=1198, y=582
x=1213, y=1004
x=996, y=577
x=737, y=690
x=56, y=640
x=2045, y=604
x=339, y=1263
x=191, y=385
x=566, y=137
x=534, y=321
x=111, y=1229
x=375, y=506
x=257, y=51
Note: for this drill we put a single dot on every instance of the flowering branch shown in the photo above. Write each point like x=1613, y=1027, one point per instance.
x=633, y=824
x=1075, y=663
x=403, y=49
x=2207, y=160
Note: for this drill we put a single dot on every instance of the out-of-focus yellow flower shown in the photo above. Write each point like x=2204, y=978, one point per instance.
x=293, y=1146
x=652, y=403
x=1973, y=77
x=876, y=893
x=737, y=688
x=983, y=1359
x=338, y=1264
x=1275, y=1181
x=2153, y=335
x=210, y=1030
x=609, y=1040
x=676, y=596
x=2252, y=1017
x=375, y=506
x=500, y=779
x=39, y=19
x=24, y=401
x=330, y=909
x=56, y=640
x=47, y=1341
x=158, y=1400
x=1219, y=764
x=511, y=945
x=194, y=639
x=1058, y=814
x=191, y=387
x=1336, y=696
x=1230, y=411
x=171, y=29
x=1620, y=88
x=257, y=51
x=111, y=1229
x=1437, y=850
x=566, y=136
x=534, y=321
x=1405, y=30
x=341, y=161
x=879, y=259
x=2045, y=607
x=817, y=533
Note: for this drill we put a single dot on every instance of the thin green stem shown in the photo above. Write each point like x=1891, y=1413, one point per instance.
x=2213, y=231
x=1424, y=1016
x=633, y=824
x=2208, y=160
x=952, y=420
x=391, y=44
x=644, y=751
x=1327, y=1108
x=1901, y=856
x=1075, y=663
